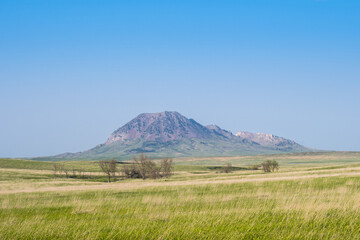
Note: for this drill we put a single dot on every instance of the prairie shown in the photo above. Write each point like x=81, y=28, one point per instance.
x=312, y=196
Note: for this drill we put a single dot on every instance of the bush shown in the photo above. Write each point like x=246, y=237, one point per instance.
x=255, y=167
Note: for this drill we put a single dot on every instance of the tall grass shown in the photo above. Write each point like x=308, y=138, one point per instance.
x=319, y=208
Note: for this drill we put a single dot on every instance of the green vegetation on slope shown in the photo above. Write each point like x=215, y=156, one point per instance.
x=177, y=148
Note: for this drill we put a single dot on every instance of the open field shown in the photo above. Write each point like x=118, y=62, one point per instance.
x=313, y=196
x=292, y=159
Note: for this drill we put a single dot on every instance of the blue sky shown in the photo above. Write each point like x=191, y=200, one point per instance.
x=71, y=71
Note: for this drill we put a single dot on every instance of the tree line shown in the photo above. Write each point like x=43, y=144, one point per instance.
x=141, y=167
x=266, y=166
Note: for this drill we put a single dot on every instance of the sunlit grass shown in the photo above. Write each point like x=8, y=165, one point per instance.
x=197, y=202
x=326, y=208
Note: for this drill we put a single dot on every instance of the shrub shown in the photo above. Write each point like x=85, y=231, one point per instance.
x=255, y=167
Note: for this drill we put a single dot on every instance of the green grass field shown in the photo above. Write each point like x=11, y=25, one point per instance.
x=313, y=196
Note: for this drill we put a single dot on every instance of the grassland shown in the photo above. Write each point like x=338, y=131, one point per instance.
x=313, y=196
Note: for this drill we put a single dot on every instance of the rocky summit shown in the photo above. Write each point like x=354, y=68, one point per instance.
x=170, y=134
x=163, y=127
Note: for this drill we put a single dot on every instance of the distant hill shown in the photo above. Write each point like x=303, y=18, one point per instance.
x=170, y=134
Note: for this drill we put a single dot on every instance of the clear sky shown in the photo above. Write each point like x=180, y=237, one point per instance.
x=71, y=71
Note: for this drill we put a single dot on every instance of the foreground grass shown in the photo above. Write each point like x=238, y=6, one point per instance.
x=319, y=201
x=319, y=208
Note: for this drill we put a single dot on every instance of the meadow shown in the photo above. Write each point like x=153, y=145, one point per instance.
x=312, y=196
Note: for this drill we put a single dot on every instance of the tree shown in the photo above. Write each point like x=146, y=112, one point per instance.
x=81, y=172
x=141, y=163
x=146, y=167
x=108, y=167
x=227, y=168
x=143, y=167
x=73, y=172
x=270, y=166
x=131, y=171
x=274, y=165
x=64, y=169
x=55, y=168
x=166, y=167
x=152, y=170
x=266, y=166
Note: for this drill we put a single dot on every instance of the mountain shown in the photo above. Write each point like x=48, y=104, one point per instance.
x=170, y=134
x=162, y=127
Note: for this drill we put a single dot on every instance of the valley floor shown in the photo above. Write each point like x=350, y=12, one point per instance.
x=305, y=201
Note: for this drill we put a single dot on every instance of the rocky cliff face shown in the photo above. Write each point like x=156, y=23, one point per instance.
x=162, y=127
x=216, y=130
x=265, y=139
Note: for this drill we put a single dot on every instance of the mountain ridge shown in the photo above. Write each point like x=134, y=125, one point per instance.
x=170, y=134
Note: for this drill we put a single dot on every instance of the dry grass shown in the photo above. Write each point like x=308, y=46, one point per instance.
x=295, y=203
x=9, y=187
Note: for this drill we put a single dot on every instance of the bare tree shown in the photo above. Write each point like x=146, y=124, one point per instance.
x=55, y=169
x=146, y=167
x=131, y=171
x=81, y=172
x=270, y=166
x=152, y=170
x=166, y=167
x=274, y=166
x=142, y=163
x=266, y=166
x=66, y=171
x=227, y=168
x=143, y=167
x=62, y=168
x=108, y=167
x=73, y=172
x=121, y=171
